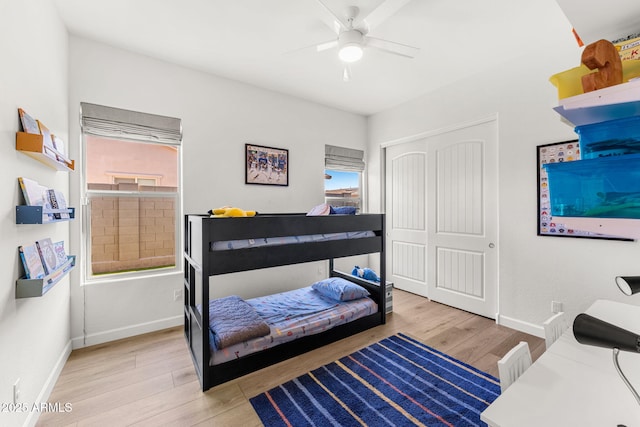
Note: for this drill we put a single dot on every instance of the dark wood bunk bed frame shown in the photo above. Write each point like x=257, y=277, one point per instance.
x=200, y=262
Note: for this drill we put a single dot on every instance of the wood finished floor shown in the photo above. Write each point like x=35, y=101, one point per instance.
x=149, y=380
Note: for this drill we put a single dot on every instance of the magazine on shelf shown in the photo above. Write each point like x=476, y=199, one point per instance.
x=31, y=261
x=47, y=255
x=29, y=124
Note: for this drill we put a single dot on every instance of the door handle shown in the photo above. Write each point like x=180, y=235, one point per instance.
x=491, y=245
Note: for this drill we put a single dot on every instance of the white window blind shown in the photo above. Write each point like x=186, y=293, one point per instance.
x=110, y=122
x=342, y=158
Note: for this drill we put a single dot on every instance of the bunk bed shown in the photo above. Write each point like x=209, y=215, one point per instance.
x=217, y=246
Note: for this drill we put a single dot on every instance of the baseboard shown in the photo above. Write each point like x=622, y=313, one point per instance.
x=126, y=332
x=521, y=326
x=47, y=388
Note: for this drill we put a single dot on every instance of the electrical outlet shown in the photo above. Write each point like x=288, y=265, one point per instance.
x=16, y=391
x=556, y=306
x=177, y=294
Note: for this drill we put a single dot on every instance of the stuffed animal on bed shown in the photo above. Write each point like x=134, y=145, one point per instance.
x=229, y=212
x=365, y=273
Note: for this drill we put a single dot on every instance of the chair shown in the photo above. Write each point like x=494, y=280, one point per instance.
x=513, y=364
x=554, y=327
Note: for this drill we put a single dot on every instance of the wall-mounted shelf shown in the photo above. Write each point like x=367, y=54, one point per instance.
x=36, y=214
x=602, y=105
x=28, y=288
x=599, y=194
x=32, y=145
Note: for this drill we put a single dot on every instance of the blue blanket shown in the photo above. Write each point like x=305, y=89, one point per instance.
x=232, y=320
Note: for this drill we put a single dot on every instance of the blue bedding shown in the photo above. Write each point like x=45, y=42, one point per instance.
x=291, y=305
x=286, y=240
x=233, y=320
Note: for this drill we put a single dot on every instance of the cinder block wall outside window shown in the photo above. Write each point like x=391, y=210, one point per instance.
x=132, y=233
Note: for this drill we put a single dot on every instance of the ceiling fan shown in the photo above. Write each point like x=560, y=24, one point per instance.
x=352, y=33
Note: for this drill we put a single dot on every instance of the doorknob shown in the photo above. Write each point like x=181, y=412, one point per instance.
x=491, y=245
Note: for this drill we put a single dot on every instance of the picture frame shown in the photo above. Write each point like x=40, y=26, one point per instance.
x=565, y=151
x=266, y=165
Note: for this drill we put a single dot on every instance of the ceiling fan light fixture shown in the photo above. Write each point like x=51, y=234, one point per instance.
x=350, y=43
x=350, y=53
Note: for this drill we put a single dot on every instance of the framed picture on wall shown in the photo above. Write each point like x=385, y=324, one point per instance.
x=266, y=165
x=566, y=151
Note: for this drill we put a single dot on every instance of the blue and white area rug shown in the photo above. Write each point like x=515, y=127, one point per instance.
x=396, y=382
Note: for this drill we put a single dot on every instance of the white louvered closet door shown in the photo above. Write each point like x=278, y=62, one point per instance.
x=441, y=206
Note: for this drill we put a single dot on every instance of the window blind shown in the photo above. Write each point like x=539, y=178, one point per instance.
x=343, y=158
x=113, y=122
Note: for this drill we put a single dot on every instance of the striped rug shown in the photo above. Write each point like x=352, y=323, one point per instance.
x=396, y=382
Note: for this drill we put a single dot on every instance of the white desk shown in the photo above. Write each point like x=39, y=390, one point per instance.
x=573, y=384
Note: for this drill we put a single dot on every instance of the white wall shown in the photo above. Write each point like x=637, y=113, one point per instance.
x=533, y=270
x=34, y=332
x=219, y=117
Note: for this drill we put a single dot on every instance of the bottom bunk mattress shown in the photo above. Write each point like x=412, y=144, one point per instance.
x=291, y=315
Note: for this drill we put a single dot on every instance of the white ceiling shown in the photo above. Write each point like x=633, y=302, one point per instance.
x=258, y=42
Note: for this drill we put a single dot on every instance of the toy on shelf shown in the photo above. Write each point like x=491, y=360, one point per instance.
x=603, y=56
x=570, y=82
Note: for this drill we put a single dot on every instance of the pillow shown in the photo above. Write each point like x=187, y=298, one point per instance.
x=323, y=209
x=340, y=289
x=343, y=210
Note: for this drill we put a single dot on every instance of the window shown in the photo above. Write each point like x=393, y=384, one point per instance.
x=343, y=177
x=132, y=190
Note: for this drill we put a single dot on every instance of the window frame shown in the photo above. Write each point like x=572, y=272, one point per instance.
x=360, y=198
x=88, y=277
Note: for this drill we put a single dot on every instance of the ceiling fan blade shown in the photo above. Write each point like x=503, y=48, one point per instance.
x=318, y=47
x=326, y=45
x=392, y=47
x=382, y=12
x=332, y=20
x=346, y=73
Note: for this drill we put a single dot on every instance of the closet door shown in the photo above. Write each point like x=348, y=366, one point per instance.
x=406, y=216
x=441, y=205
x=462, y=258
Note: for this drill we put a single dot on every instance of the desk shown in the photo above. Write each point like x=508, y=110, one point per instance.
x=573, y=384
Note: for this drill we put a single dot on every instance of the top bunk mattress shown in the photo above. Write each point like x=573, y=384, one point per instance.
x=287, y=240
x=291, y=315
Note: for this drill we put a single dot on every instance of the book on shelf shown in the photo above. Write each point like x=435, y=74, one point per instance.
x=61, y=154
x=47, y=143
x=32, y=191
x=31, y=261
x=47, y=255
x=61, y=254
x=58, y=201
x=29, y=124
x=50, y=199
x=51, y=194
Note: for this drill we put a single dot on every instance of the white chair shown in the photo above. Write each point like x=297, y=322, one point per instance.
x=513, y=364
x=554, y=327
